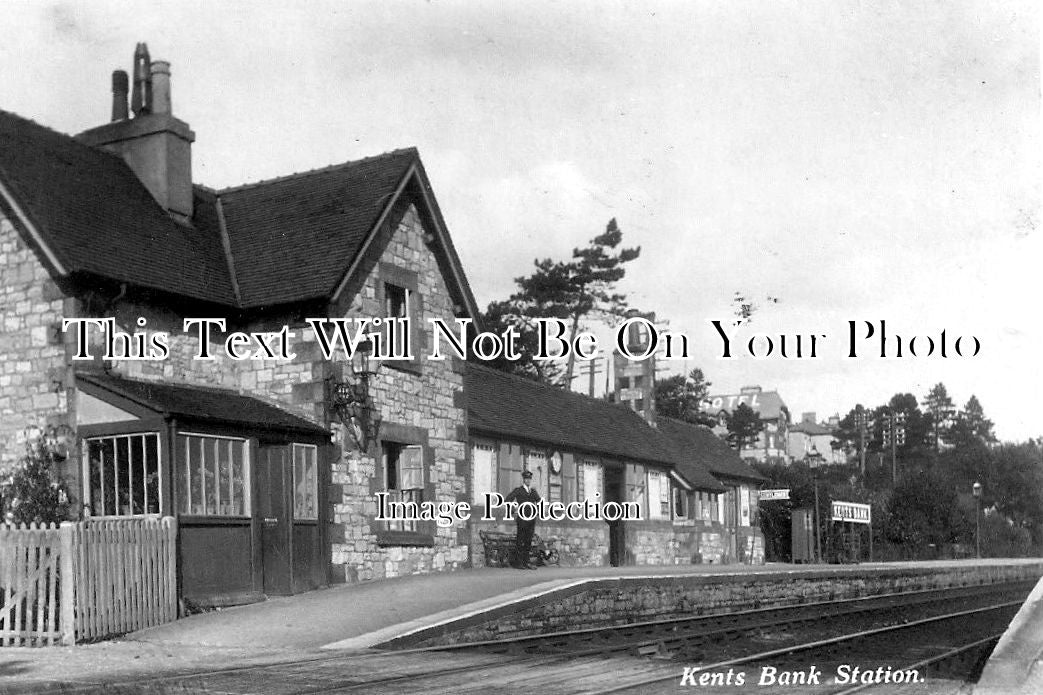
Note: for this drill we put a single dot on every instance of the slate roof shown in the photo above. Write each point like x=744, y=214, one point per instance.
x=290, y=239
x=201, y=404
x=504, y=405
x=698, y=445
x=99, y=219
x=315, y=221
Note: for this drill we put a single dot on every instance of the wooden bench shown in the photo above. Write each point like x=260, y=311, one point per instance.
x=499, y=548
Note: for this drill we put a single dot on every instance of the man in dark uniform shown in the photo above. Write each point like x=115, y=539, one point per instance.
x=523, y=539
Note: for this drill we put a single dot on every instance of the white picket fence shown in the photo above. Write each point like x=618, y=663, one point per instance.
x=86, y=580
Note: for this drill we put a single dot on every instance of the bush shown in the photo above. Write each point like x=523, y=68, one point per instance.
x=32, y=491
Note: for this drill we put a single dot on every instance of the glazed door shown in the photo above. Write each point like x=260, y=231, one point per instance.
x=273, y=497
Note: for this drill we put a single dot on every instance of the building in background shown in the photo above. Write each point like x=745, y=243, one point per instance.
x=813, y=442
x=771, y=446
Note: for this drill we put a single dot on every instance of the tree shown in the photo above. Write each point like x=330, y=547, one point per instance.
x=500, y=316
x=579, y=288
x=744, y=427
x=680, y=396
x=939, y=409
x=32, y=492
x=971, y=428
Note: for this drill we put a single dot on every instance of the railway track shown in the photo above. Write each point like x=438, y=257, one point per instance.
x=902, y=631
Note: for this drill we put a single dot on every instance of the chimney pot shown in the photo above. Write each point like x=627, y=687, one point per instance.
x=120, y=86
x=142, y=97
x=160, y=79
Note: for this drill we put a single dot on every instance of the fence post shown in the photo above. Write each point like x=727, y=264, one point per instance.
x=68, y=583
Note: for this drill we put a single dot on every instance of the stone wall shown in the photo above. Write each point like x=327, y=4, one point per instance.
x=34, y=380
x=428, y=400
x=625, y=600
x=579, y=544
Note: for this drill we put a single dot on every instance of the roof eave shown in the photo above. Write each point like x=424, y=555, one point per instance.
x=23, y=219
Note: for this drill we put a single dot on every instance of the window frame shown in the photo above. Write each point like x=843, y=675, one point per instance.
x=247, y=479
x=661, y=483
x=294, y=447
x=598, y=471
x=416, y=493
x=88, y=493
x=477, y=496
x=541, y=484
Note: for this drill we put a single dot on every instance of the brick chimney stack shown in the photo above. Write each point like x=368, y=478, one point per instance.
x=156, y=145
x=120, y=88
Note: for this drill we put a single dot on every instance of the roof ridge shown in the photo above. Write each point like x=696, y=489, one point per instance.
x=559, y=389
x=685, y=422
x=318, y=170
x=67, y=136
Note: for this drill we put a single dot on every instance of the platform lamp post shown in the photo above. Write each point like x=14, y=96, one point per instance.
x=976, y=490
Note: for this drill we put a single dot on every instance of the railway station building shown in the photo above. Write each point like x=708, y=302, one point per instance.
x=270, y=453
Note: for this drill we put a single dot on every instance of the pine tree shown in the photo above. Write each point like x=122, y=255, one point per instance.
x=579, y=288
x=938, y=405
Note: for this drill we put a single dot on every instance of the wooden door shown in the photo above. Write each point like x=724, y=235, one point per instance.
x=276, y=524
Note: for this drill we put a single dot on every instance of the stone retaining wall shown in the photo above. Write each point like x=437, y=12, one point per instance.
x=624, y=600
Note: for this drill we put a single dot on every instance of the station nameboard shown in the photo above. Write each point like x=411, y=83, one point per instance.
x=853, y=512
x=768, y=495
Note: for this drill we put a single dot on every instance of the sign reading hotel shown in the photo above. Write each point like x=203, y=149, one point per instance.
x=852, y=512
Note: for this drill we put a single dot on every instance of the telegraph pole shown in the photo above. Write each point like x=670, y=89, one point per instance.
x=861, y=420
x=894, y=436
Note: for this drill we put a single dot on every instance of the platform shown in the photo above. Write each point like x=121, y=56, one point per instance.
x=362, y=616
x=1016, y=664
x=356, y=618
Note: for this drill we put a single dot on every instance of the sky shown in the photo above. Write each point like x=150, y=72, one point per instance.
x=857, y=161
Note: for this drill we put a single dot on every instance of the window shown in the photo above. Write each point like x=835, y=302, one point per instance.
x=708, y=507
x=744, y=505
x=305, y=482
x=536, y=462
x=554, y=469
x=658, y=495
x=123, y=474
x=213, y=475
x=403, y=479
x=590, y=481
x=483, y=476
x=397, y=301
x=680, y=503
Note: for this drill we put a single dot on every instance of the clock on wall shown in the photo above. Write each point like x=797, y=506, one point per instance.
x=555, y=464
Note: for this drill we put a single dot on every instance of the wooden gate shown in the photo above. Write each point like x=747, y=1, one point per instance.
x=86, y=580
x=29, y=599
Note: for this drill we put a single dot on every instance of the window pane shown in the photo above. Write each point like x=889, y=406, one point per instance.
x=591, y=480
x=305, y=479
x=238, y=479
x=484, y=460
x=150, y=469
x=411, y=468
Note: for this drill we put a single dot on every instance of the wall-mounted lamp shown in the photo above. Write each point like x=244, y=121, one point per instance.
x=351, y=400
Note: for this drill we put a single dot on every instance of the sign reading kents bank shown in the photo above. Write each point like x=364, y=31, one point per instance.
x=852, y=512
